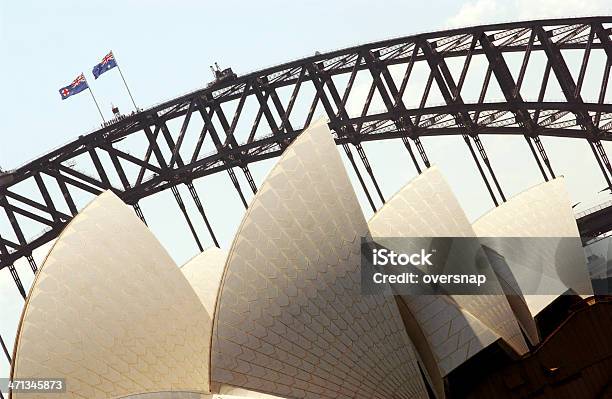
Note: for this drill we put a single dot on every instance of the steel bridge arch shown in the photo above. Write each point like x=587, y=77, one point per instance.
x=570, y=117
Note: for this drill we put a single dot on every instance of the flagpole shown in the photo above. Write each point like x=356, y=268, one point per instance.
x=125, y=83
x=94, y=99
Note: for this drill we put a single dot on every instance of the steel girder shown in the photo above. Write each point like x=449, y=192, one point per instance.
x=326, y=82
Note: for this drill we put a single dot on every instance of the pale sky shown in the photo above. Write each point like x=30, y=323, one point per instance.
x=165, y=48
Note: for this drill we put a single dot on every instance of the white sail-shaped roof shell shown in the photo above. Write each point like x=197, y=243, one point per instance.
x=458, y=326
x=204, y=273
x=111, y=313
x=541, y=211
x=291, y=320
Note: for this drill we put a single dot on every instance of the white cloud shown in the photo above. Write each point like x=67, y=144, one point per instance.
x=476, y=12
x=479, y=12
x=529, y=9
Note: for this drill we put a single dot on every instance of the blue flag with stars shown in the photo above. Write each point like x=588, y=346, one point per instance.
x=77, y=86
x=108, y=63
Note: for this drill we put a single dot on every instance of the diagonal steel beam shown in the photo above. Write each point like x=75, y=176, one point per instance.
x=293, y=98
x=466, y=66
x=118, y=168
x=152, y=139
x=124, y=180
x=182, y=132
x=152, y=148
x=572, y=95
x=10, y=208
x=171, y=145
x=9, y=243
x=256, y=122
x=42, y=188
x=4, y=256
x=230, y=143
x=196, y=199
x=230, y=138
x=181, y=204
x=395, y=107
x=130, y=158
x=5, y=350
x=512, y=94
x=604, y=38
x=65, y=192
x=95, y=186
x=207, y=128
x=58, y=217
x=408, y=72
x=349, y=155
x=11, y=267
x=564, y=77
x=314, y=72
x=447, y=86
x=99, y=168
x=341, y=119
x=351, y=81
x=285, y=124
x=265, y=108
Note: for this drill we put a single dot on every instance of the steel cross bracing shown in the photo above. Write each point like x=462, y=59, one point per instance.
x=232, y=123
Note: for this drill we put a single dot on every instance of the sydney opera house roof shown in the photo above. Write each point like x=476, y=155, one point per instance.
x=455, y=327
x=110, y=312
x=281, y=314
x=542, y=211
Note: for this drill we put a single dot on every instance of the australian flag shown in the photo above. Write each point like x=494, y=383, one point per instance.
x=108, y=63
x=77, y=86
